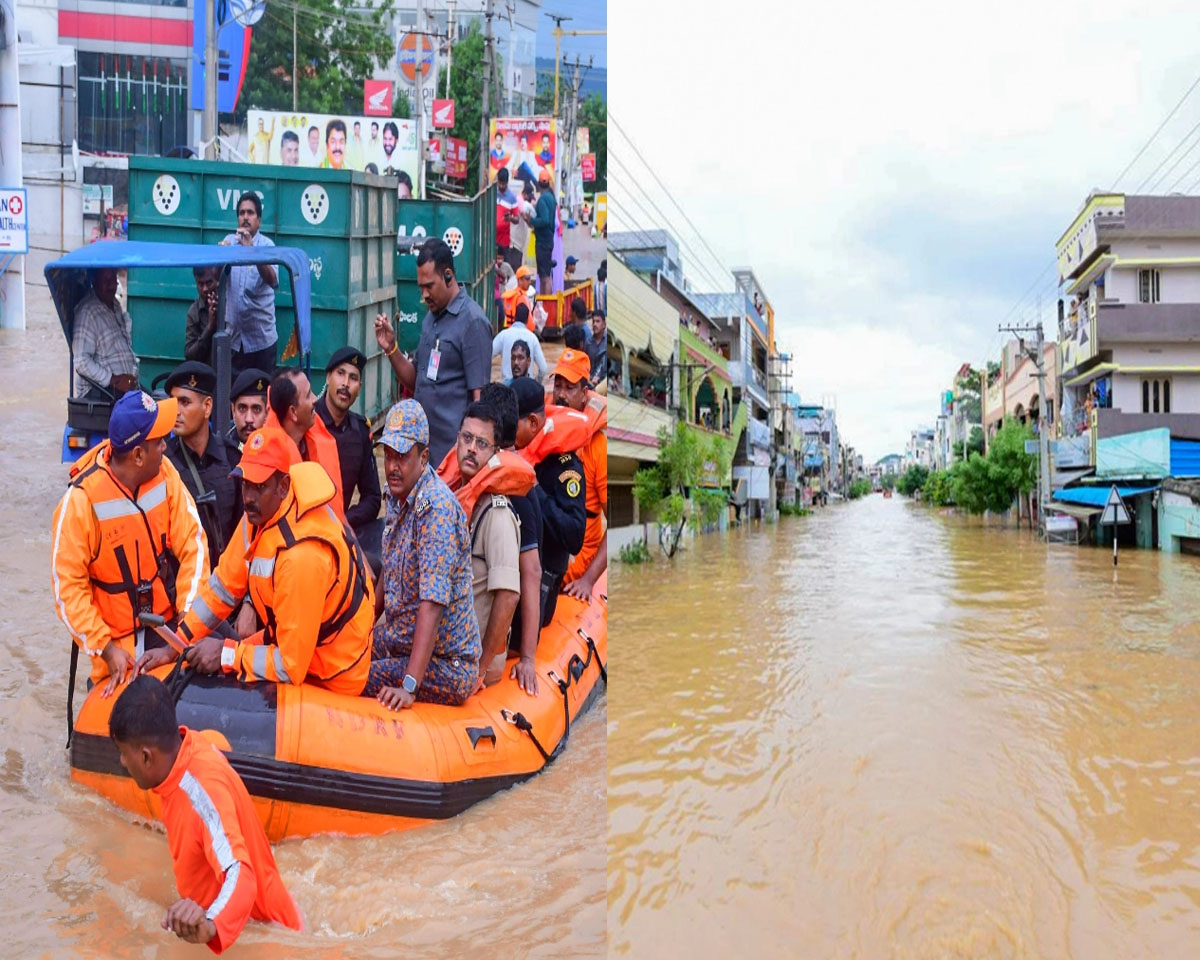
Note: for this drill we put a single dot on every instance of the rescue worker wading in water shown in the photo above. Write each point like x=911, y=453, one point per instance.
x=126, y=540
x=303, y=571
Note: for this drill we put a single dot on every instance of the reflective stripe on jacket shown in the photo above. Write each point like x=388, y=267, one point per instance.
x=308, y=581
x=219, y=851
x=108, y=553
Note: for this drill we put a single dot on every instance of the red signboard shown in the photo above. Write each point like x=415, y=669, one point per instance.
x=588, y=163
x=377, y=98
x=443, y=114
x=456, y=158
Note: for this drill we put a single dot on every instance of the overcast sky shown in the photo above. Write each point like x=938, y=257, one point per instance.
x=895, y=173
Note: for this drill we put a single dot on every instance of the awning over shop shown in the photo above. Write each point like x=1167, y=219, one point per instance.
x=1073, y=510
x=1096, y=496
x=638, y=316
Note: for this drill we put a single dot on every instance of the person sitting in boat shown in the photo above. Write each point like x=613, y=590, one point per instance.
x=572, y=390
x=293, y=409
x=126, y=540
x=480, y=474
x=526, y=620
x=549, y=440
x=303, y=571
x=225, y=871
x=427, y=647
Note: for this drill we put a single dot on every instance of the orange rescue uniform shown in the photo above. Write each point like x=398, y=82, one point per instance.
x=219, y=850
x=105, y=554
x=594, y=456
x=307, y=578
x=322, y=449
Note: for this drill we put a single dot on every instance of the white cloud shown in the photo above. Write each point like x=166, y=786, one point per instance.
x=896, y=174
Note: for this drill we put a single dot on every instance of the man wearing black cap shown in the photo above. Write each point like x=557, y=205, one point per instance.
x=352, y=433
x=248, y=405
x=203, y=459
x=560, y=489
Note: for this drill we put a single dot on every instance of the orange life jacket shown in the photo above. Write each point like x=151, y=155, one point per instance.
x=134, y=567
x=327, y=642
x=564, y=431
x=512, y=299
x=322, y=449
x=505, y=473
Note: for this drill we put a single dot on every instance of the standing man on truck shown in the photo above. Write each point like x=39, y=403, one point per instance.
x=251, y=308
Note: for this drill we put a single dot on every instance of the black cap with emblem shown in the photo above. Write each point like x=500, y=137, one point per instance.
x=193, y=375
x=250, y=383
x=531, y=396
x=346, y=355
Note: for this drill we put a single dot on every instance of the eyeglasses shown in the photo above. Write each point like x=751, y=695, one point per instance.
x=469, y=440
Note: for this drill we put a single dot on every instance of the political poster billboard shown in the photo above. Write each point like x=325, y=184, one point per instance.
x=373, y=144
x=525, y=146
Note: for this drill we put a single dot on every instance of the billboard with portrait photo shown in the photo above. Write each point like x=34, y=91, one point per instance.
x=525, y=146
x=384, y=145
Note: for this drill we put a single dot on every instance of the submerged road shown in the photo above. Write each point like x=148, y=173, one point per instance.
x=883, y=732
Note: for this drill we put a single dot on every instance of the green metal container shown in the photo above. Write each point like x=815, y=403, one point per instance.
x=469, y=228
x=344, y=221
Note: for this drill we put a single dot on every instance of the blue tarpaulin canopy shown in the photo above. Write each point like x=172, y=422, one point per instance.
x=67, y=276
x=1097, y=496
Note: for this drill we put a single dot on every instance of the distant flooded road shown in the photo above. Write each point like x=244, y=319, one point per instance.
x=882, y=732
x=519, y=875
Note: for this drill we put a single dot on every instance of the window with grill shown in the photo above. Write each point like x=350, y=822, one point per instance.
x=1148, y=287
x=1156, y=396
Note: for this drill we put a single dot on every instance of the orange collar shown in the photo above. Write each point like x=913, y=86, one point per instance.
x=505, y=473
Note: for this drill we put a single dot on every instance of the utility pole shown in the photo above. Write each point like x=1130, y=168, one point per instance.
x=485, y=103
x=211, y=70
x=559, y=33
x=419, y=94
x=451, y=33
x=1038, y=356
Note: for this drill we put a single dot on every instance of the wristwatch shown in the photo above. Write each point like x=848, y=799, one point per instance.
x=409, y=684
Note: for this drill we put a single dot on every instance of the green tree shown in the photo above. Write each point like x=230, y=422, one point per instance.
x=888, y=481
x=937, y=488
x=966, y=393
x=670, y=489
x=913, y=480
x=991, y=483
x=975, y=441
x=338, y=45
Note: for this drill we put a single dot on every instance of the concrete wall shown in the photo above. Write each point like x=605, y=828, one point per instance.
x=1185, y=392
x=1178, y=517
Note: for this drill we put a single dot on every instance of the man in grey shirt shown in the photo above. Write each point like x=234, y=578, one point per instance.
x=251, y=307
x=454, y=354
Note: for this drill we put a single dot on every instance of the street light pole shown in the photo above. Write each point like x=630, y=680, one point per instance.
x=211, y=70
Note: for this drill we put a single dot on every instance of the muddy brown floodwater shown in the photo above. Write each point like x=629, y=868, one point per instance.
x=883, y=732
x=521, y=874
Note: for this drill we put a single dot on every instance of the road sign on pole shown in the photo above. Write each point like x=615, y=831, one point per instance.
x=1115, y=513
x=1115, y=510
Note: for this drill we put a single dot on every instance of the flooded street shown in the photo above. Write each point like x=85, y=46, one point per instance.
x=518, y=875
x=882, y=732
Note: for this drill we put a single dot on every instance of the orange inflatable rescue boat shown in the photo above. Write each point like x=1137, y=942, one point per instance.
x=318, y=762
